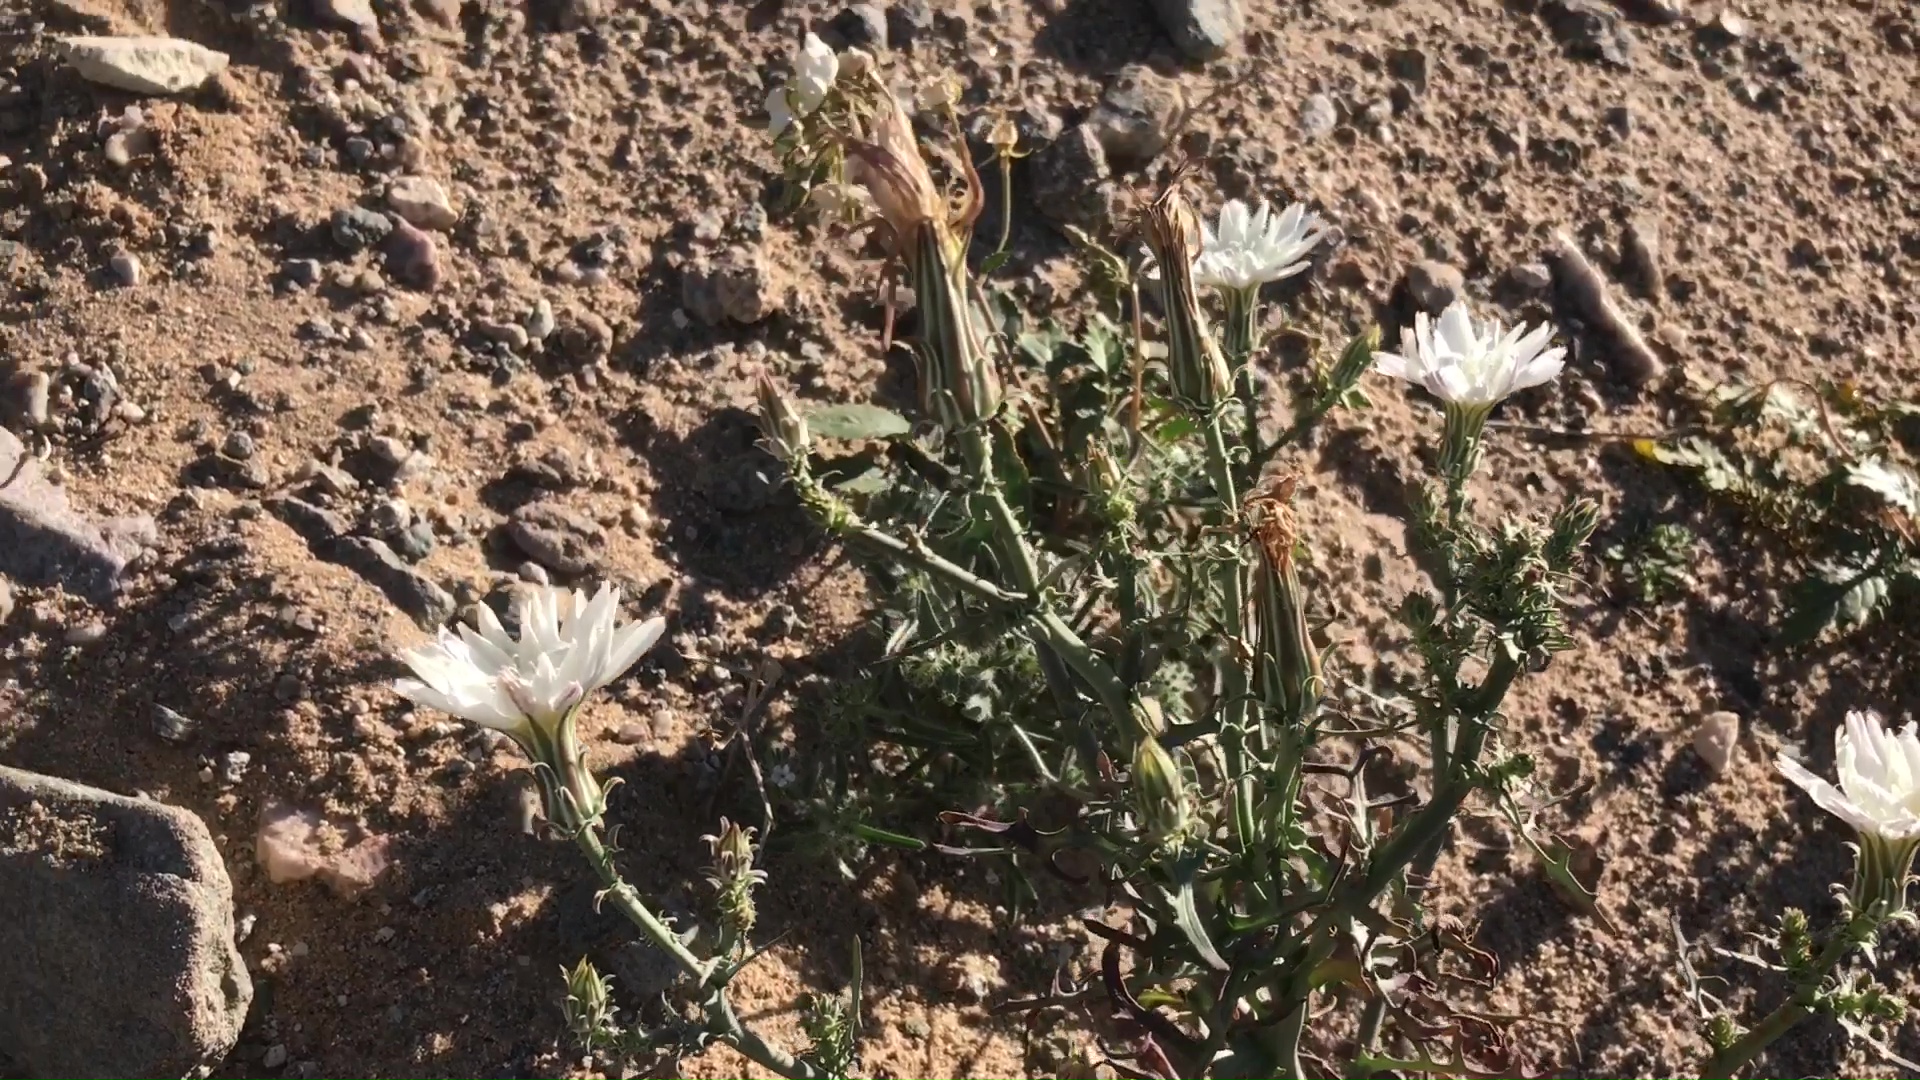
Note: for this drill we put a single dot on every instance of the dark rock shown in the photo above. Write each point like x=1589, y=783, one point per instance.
x=1070, y=179
x=411, y=591
x=1530, y=277
x=1203, y=29
x=357, y=228
x=412, y=257
x=1318, y=116
x=1590, y=30
x=317, y=526
x=44, y=541
x=909, y=23
x=415, y=542
x=1432, y=286
x=1137, y=115
x=562, y=540
x=862, y=26
x=120, y=957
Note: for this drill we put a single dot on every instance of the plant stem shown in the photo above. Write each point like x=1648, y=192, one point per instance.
x=1233, y=725
x=627, y=901
x=1237, y=341
x=1806, y=996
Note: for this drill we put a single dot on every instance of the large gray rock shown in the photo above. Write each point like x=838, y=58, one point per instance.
x=118, y=940
x=1204, y=29
x=45, y=542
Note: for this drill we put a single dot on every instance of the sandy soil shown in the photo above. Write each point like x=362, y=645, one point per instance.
x=592, y=167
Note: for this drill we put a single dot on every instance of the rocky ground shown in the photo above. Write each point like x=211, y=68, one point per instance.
x=405, y=303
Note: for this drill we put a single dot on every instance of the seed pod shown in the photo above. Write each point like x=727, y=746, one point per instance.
x=1287, y=672
x=1195, y=364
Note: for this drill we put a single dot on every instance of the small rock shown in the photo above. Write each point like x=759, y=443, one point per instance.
x=540, y=322
x=317, y=526
x=1640, y=254
x=391, y=515
x=1432, y=286
x=1531, y=277
x=275, y=1057
x=1203, y=29
x=91, y=632
x=862, y=26
x=294, y=845
x=562, y=540
x=512, y=335
x=125, y=964
x=44, y=541
x=233, y=766
x=328, y=479
x=1071, y=181
x=1137, y=115
x=239, y=444
x=909, y=23
x=412, y=257
x=533, y=573
x=126, y=268
x=357, y=228
x=356, y=15
x=738, y=286
x=422, y=202
x=302, y=272
x=973, y=977
x=171, y=726
x=6, y=601
x=408, y=589
x=415, y=542
x=585, y=339
x=142, y=65
x=36, y=391
x=1590, y=30
x=1318, y=116
x=1724, y=29
x=1717, y=740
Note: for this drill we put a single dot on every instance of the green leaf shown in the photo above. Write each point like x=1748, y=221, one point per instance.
x=994, y=262
x=1186, y=916
x=857, y=421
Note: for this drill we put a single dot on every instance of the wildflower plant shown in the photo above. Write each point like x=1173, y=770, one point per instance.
x=1878, y=796
x=532, y=689
x=1098, y=626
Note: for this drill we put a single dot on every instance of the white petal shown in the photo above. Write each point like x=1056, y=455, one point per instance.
x=1541, y=370
x=1233, y=224
x=1395, y=366
x=1455, y=330
x=779, y=112
x=630, y=644
x=1825, y=795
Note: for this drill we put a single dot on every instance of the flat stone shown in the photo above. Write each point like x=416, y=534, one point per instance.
x=1590, y=30
x=356, y=15
x=1203, y=29
x=44, y=541
x=1137, y=115
x=562, y=540
x=143, y=65
x=1318, y=116
x=318, y=527
x=740, y=285
x=120, y=952
x=411, y=591
x=423, y=202
x=1717, y=740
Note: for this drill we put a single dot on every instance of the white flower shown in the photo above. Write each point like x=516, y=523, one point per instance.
x=1254, y=247
x=814, y=68
x=1879, y=792
x=1893, y=482
x=1475, y=365
x=569, y=646
x=782, y=776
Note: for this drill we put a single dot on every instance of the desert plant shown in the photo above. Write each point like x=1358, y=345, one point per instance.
x=1063, y=514
x=1819, y=467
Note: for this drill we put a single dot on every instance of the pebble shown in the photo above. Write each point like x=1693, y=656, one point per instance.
x=275, y=1057
x=1202, y=29
x=631, y=733
x=1318, y=116
x=126, y=268
x=512, y=335
x=1137, y=115
x=861, y=26
x=233, y=766
x=738, y=286
x=302, y=272
x=356, y=14
x=36, y=392
x=412, y=257
x=1590, y=30
x=415, y=542
x=87, y=633
x=558, y=538
x=1071, y=179
x=1640, y=254
x=172, y=726
x=391, y=515
x=239, y=445
x=1432, y=286
x=1531, y=277
x=540, y=322
x=422, y=202
x=357, y=228
x=1717, y=740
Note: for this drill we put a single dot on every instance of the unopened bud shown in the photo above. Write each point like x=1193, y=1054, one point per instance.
x=1003, y=135
x=1195, y=365
x=783, y=425
x=589, y=1004
x=1107, y=484
x=734, y=878
x=1160, y=793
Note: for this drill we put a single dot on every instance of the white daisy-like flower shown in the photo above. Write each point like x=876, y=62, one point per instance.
x=1252, y=247
x=815, y=67
x=1471, y=364
x=569, y=646
x=1879, y=792
x=1893, y=482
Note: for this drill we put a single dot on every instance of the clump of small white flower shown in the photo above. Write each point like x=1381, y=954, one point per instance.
x=815, y=67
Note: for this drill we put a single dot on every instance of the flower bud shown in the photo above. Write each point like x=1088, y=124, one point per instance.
x=1287, y=672
x=1160, y=793
x=733, y=877
x=1004, y=136
x=783, y=425
x=589, y=1004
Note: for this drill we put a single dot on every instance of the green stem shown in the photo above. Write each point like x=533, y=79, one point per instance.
x=625, y=900
x=1233, y=726
x=1805, y=999
x=1237, y=340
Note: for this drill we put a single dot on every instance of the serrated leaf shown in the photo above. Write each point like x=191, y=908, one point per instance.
x=857, y=421
x=1186, y=916
x=994, y=262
